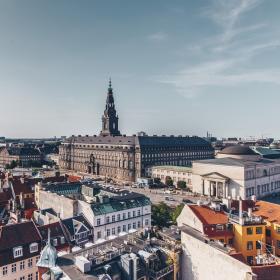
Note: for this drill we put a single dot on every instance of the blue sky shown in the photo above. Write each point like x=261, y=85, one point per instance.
x=177, y=67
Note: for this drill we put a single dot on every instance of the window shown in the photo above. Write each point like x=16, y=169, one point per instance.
x=29, y=277
x=30, y=263
x=124, y=216
x=118, y=217
x=107, y=220
x=250, y=260
x=146, y=222
x=219, y=227
x=98, y=221
x=278, y=244
x=138, y=224
x=17, y=252
x=33, y=247
x=249, y=245
x=113, y=218
x=129, y=226
x=62, y=240
x=128, y=215
x=5, y=270
x=54, y=242
x=22, y=265
x=268, y=232
x=134, y=213
x=124, y=228
x=278, y=229
x=108, y=232
x=113, y=231
x=99, y=234
x=14, y=267
x=258, y=230
x=249, y=231
x=258, y=245
x=134, y=225
x=138, y=213
x=22, y=278
x=37, y=275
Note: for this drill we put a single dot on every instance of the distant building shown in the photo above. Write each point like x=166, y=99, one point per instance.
x=124, y=157
x=22, y=156
x=177, y=173
x=237, y=171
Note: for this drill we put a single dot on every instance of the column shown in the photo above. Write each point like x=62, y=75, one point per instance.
x=216, y=189
x=224, y=190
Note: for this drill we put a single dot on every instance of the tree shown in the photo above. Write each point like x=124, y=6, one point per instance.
x=181, y=185
x=176, y=212
x=168, y=181
x=161, y=214
x=13, y=164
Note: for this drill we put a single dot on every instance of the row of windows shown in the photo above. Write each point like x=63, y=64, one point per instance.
x=250, y=174
x=123, y=228
x=119, y=217
x=21, y=267
x=250, y=230
x=261, y=189
x=18, y=251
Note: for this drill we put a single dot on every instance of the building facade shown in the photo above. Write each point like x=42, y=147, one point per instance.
x=176, y=173
x=127, y=157
x=20, y=246
x=22, y=156
x=110, y=212
x=236, y=172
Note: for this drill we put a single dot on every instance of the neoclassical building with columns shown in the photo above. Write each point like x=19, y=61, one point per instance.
x=126, y=158
x=237, y=171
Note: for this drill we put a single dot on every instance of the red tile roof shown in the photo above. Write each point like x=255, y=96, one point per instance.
x=269, y=211
x=267, y=272
x=209, y=216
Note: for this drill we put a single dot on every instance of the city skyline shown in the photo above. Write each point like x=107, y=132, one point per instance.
x=177, y=68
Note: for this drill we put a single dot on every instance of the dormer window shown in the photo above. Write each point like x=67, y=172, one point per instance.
x=33, y=247
x=18, y=252
x=54, y=241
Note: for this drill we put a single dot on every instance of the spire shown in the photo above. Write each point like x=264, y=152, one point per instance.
x=110, y=83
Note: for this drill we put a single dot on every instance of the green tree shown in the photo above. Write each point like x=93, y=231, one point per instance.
x=168, y=181
x=181, y=185
x=13, y=164
x=161, y=214
x=176, y=212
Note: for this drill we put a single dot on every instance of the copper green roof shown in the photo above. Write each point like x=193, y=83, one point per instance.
x=119, y=205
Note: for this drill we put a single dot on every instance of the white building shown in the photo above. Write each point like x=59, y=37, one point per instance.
x=236, y=172
x=110, y=212
x=177, y=173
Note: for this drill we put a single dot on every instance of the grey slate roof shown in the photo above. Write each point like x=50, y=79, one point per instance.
x=140, y=140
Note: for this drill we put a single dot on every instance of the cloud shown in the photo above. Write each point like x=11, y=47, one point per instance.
x=229, y=53
x=158, y=36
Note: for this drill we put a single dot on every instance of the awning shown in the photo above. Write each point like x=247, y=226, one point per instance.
x=112, y=237
x=100, y=240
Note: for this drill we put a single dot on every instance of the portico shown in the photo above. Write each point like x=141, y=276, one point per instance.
x=215, y=184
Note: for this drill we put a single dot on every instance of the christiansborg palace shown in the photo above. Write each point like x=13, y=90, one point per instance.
x=124, y=157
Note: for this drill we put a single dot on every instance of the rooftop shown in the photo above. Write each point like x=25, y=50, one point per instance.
x=209, y=216
x=267, y=210
x=173, y=168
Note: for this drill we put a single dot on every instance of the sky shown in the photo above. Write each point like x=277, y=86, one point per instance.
x=181, y=67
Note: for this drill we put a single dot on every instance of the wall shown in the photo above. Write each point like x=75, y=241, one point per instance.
x=201, y=261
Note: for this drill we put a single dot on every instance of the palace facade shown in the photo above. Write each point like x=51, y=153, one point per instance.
x=124, y=157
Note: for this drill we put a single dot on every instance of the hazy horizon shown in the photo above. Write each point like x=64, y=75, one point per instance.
x=177, y=67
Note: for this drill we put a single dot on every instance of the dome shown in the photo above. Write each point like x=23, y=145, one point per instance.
x=237, y=150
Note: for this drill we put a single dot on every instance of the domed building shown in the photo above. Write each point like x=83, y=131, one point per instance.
x=237, y=171
x=238, y=152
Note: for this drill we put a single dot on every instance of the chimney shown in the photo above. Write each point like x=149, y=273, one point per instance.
x=250, y=212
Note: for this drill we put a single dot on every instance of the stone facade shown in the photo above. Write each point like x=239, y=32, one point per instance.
x=127, y=157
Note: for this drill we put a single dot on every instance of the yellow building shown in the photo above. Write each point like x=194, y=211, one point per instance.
x=270, y=212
